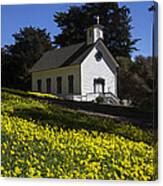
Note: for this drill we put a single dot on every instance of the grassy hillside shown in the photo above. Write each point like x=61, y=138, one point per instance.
x=29, y=93
x=46, y=140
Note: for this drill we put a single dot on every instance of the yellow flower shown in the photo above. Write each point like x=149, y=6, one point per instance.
x=43, y=157
x=31, y=171
x=12, y=152
x=1, y=168
x=5, y=145
x=17, y=170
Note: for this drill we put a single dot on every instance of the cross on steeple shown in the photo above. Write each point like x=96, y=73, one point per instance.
x=98, y=19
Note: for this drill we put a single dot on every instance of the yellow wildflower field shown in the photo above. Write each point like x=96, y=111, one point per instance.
x=33, y=146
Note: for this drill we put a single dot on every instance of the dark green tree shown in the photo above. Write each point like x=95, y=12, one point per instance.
x=17, y=59
x=136, y=80
x=144, y=77
x=124, y=77
x=116, y=21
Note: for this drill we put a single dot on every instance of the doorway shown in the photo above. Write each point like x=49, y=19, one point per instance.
x=99, y=85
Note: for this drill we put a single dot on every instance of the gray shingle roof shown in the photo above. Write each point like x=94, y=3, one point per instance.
x=71, y=55
x=55, y=58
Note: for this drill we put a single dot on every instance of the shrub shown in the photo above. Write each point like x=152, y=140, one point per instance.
x=99, y=99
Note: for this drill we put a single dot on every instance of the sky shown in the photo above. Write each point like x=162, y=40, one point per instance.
x=14, y=17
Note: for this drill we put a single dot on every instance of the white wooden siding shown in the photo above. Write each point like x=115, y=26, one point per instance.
x=91, y=69
x=53, y=74
x=84, y=76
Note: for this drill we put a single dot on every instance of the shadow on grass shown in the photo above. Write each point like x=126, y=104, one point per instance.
x=64, y=119
x=69, y=119
x=44, y=113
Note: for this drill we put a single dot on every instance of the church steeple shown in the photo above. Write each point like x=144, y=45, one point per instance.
x=94, y=32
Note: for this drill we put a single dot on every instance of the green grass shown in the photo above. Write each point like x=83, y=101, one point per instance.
x=71, y=144
x=29, y=93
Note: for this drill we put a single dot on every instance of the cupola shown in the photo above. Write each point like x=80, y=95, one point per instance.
x=94, y=32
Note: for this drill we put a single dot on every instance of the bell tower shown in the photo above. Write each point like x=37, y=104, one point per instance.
x=94, y=32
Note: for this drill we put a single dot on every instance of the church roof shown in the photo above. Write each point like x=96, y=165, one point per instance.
x=66, y=56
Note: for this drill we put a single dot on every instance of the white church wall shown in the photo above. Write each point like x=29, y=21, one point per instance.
x=92, y=69
x=53, y=74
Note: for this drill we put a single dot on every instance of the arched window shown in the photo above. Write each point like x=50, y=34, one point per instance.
x=98, y=55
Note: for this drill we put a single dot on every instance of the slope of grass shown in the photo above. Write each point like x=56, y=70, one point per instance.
x=29, y=93
x=46, y=140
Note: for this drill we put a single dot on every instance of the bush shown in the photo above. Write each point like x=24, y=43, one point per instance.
x=99, y=99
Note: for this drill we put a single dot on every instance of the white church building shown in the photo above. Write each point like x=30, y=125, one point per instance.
x=80, y=72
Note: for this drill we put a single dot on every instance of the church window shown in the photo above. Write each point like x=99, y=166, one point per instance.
x=39, y=85
x=71, y=84
x=48, y=85
x=59, y=85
